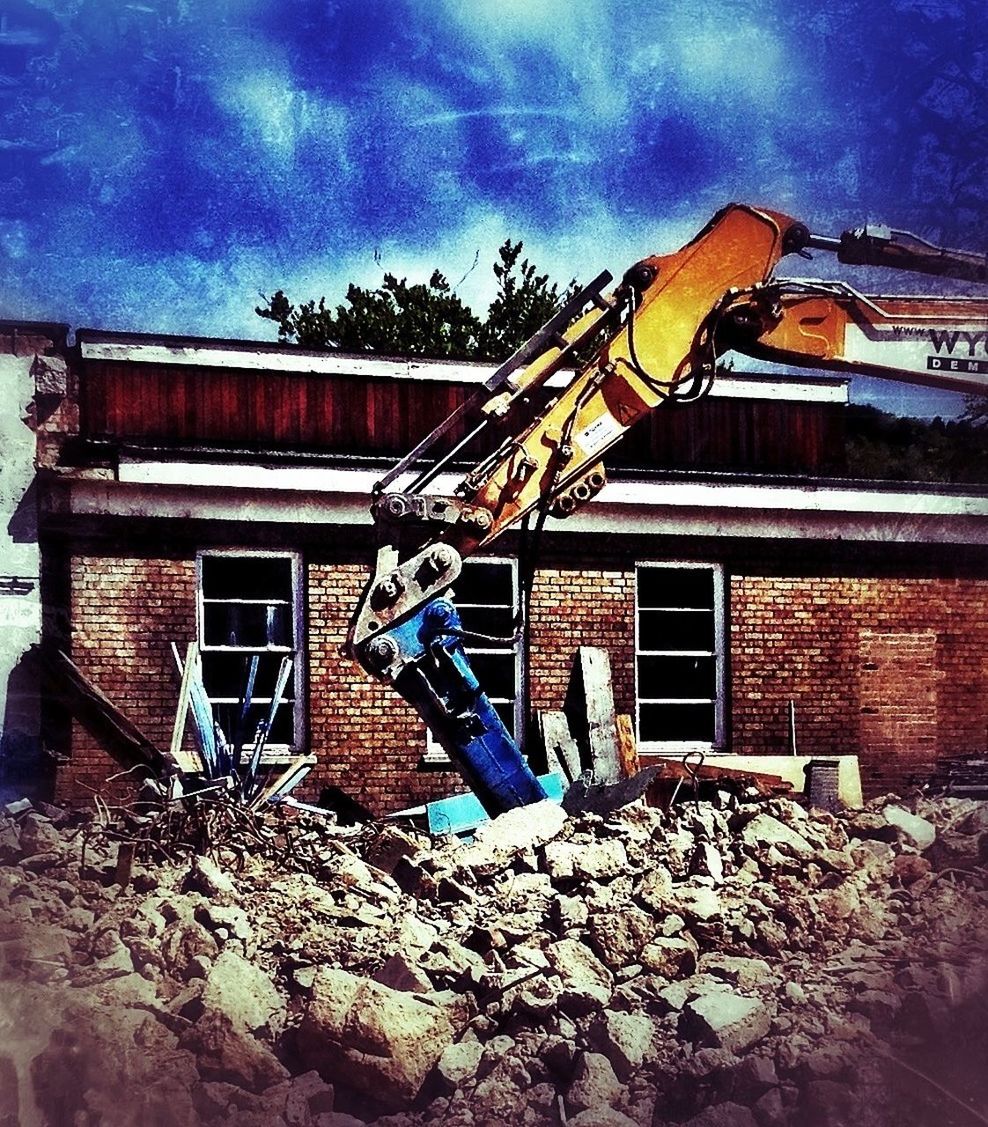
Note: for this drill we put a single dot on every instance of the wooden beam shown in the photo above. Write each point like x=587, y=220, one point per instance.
x=590, y=711
x=561, y=751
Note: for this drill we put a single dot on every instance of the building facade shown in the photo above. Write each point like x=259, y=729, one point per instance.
x=745, y=588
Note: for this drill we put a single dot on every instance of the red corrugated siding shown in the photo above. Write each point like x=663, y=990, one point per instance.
x=190, y=406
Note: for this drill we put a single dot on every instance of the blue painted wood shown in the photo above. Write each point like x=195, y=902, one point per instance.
x=462, y=813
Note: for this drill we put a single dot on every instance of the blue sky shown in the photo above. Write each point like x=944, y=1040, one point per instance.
x=162, y=162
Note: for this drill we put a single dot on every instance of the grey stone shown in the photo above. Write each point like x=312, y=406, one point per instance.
x=697, y=903
x=399, y=973
x=918, y=831
x=726, y=1020
x=518, y=830
x=655, y=889
x=594, y=1083
x=670, y=958
x=227, y=1054
x=745, y=973
x=585, y=983
x=763, y=831
x=51, y=374
x=602, y=860
x=207, y=877
x=795, y=994
x=619, y=936
x=601, y=1117
x=770, y=1110
x=242, y=991
x=707, y=861
x=459, y=1061
x=382, y=1042
x=559, y=859
x=624, y=1038
x=568, y=913
x=723, y=1115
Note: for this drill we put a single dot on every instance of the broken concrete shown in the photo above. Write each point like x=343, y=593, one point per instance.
x=705, y=966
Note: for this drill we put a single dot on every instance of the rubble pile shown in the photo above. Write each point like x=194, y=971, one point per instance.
x=756, y=964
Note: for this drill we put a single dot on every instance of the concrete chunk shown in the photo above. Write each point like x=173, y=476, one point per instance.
x=382, y=1042
x=726, y=1020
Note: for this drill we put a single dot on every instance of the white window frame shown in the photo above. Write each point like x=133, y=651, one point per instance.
x=435, y=756
x=719, y=654
x=273, y=752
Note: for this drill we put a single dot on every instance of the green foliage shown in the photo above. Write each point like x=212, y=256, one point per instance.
x=399, y=319
x=886, y=448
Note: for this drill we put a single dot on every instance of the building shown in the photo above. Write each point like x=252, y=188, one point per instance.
x=217, y=491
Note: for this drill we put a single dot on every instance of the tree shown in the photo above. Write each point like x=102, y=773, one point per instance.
x=423, y=320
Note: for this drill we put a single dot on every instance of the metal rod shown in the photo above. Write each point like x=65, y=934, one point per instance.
x=528, y=351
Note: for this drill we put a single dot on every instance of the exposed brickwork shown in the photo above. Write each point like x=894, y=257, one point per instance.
x=893, y=670
x=125, y=613
x=368, y=740
x=572, y=607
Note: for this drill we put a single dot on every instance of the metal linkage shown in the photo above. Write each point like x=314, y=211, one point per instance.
x=425, y=659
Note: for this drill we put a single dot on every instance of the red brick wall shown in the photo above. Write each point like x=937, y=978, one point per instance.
x=893, y=670
x=571, y=608
x=367, y=738
x=125, y=613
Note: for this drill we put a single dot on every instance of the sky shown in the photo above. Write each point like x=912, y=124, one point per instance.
x=163, y=163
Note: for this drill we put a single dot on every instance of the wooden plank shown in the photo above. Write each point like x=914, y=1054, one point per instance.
x=461, y=813
x=590, y=711
x=187, y=762
x=560, y=747
x=627, y=746
x=121, y=737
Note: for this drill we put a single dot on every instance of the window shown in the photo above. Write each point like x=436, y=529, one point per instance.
x=249, y=605
x=486, y=596
x=680, y=657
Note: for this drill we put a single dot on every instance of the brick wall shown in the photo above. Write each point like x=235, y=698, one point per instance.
x=893, y=670
x=571, y=608
x=368, y=740
x=125, y=613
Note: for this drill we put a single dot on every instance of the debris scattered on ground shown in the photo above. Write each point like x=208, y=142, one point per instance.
x=754, y=964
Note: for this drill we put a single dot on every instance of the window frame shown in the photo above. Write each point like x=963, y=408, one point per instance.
x=719, y=655
x=273, y=752
x=435, y=757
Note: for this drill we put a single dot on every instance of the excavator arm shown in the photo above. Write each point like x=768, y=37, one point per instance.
x=655, y=338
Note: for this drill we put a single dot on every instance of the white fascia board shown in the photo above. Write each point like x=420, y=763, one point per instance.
x=736, y=385
x=740, y=509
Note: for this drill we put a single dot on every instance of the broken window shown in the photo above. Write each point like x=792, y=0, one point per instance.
x=486, y=596
x=680, y=656
x=249, y=608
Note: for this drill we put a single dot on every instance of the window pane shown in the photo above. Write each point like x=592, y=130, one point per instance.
x=485, y=582
x=247, y=625
x=506, y=710
x=496, y=674
x=675, y=587
x=688, y=677
x=676, y=630
x=225, y=675
x=677, y=722
x=246, y=577
x=495, y=622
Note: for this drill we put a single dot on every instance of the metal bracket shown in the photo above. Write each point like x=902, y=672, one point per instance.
x=395, y=593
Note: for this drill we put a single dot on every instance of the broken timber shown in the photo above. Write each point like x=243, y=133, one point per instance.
x=121, y=737
x=590, y=711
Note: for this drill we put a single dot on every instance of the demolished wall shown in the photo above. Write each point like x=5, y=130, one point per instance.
x=751, y=965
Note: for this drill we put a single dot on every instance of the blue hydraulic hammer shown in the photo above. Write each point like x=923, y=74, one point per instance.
x=435, y=677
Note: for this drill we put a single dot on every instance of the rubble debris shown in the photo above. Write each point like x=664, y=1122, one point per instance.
x=758, y=964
